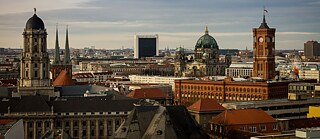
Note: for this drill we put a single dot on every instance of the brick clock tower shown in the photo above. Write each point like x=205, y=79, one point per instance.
x=264, y=51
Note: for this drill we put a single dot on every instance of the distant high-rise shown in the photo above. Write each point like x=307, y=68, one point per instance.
x=311, y=49
x=146, y=45
x=264, y=51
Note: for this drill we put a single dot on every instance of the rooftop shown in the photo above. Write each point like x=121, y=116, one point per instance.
x=206, y=105
x=243, y=117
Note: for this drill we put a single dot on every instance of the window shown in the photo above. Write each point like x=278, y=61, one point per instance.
x=30, y=125
x=35, y=74
x=242, y=128
x=58, y=124
x=253, y=129
x=263, y=128
x=75, y=123
x=274, y=127
x=75, y=133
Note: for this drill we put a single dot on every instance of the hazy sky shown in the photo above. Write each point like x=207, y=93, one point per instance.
x=111, y=24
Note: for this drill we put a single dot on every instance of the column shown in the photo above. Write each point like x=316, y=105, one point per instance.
x=97, y=128
x=25, y=129
x=71, y=128
x=105, y=128
x=34, y=129
x=113, y=126
x=80, y=129
x=43, y=128
x=88, y=129
x=51, y=124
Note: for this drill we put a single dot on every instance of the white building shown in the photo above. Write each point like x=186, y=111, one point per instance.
x=156, y=79
x=237, y=72
x=308, y=133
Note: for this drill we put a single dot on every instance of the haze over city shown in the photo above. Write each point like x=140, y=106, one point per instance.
x=110, y=24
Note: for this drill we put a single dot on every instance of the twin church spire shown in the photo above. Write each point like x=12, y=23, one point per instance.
x=66, y=60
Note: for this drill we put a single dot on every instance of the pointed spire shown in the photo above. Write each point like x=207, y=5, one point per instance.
x=206, y=30
x=264, y=23
x=35, y=10
x=57, y=49
x=66, y=60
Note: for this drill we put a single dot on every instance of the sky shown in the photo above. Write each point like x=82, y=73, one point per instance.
x=112, y=24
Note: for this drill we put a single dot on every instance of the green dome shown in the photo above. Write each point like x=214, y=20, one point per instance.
x=179, y=49
x=207, y=41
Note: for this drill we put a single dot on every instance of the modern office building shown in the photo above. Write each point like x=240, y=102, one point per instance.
x=146, y=46
x=298, y=91
x=311, y=49
x=277, y=108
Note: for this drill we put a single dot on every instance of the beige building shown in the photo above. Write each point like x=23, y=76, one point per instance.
x=34, y=62
x=80, y=117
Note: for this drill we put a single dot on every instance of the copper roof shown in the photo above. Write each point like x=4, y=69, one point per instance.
x=243, y=117
x=145, y=93
x=206, y=105
x=63, y=79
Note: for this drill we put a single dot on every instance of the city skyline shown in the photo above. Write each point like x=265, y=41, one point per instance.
x=113, y=24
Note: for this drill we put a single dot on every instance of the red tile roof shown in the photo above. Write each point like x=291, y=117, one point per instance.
x=147, y=93
x=5, y=121
x=206, y=105
x=243, y=117
x=63, y=79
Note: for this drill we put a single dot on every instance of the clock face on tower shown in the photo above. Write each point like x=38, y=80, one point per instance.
x=260, y=39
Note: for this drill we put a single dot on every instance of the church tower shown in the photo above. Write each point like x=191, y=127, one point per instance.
x=59, y=65
x=34, y=65
x=264, y=51
x=35, y=62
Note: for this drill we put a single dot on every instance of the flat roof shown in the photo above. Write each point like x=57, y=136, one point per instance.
x=270, y=102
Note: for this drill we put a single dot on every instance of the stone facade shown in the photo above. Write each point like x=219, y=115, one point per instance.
x=205, y=61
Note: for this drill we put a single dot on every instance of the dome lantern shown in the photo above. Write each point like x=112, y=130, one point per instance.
x=207, y=41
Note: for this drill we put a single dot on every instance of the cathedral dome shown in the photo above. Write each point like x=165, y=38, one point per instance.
x=179, y=49
x=207, y=41
x=35, y=23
